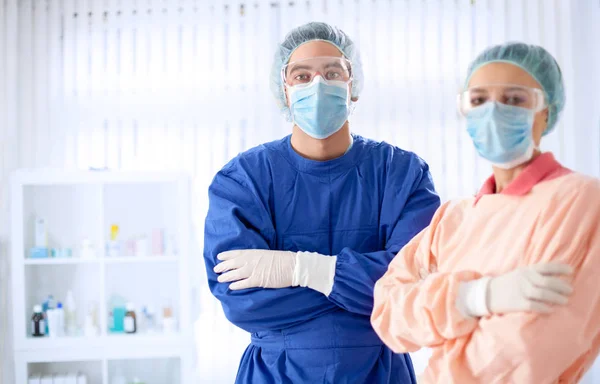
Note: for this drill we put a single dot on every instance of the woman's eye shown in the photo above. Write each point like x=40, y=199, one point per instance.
x=514, y=100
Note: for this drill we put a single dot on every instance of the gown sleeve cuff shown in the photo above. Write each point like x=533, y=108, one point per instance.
x=471, y=300
x=315, y=271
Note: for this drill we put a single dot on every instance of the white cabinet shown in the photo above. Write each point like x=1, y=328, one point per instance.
x=147, y=265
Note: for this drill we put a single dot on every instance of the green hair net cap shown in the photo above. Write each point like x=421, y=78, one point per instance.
x=313, y=31
x=536, y=61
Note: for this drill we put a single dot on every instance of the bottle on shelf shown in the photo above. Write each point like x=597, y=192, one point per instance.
x=52, y=320
x=117, y=310
x=158, y=242
x=149, y=319
x=130, y=321
x=87, y=250
x=90, y=327
x=70, y=315
x=40, y=248
x=168, y=320
x=46, y=305
x=113, y=248
x=171, y=245
x=141, y=246
x=41, y=233
x=60, y=319
x=38, y=324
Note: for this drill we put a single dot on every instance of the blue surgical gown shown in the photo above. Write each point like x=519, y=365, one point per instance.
x=362, y=207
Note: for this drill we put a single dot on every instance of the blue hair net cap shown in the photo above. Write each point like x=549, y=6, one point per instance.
x=536, y=61
x=311, y=32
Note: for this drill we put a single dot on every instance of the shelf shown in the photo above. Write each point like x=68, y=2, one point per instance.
x=144, y=259
x=84, y=205
x=143, y=339
x=107, y=260
x=62, y=342
x=60, y=261
x=113, y=341
x=57, y=177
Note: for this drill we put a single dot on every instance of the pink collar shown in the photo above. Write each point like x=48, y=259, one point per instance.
x=542, y=168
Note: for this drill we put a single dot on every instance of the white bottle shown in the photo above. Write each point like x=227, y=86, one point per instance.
x=141, y=247
x=90, y=329
x=60, y=320
x=130, y=321
x=70, y=315
x=41, y=233
x=52, y=318
x=87, y=249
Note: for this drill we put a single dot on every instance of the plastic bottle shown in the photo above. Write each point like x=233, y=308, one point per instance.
x=90, y=326
x=149, y=319
x=38, y=324
x=70, y=315
x=60, y=319
x=87, y=250
x=168, y=320
x=41, y=233
x=117, y=312
x=130, y=321
x=46, y=305
x=52, y=319
x=113, y=247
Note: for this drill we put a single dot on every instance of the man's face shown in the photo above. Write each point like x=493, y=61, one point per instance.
x=315, y=49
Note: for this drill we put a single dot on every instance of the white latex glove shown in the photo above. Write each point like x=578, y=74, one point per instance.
x=262, y=268
x=529, y=289
x=256, y=268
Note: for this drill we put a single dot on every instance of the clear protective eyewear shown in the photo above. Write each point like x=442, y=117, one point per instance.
x=508, y=94
x=329, y=68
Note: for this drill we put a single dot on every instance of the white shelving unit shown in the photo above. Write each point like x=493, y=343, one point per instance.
x=77, y=205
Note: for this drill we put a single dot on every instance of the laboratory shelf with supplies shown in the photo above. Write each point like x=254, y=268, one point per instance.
x=100, y=272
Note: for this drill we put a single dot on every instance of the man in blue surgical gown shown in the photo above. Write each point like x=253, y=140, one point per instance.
x=299, y=230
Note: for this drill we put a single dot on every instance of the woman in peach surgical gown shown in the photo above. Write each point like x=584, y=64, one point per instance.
x=504, y=286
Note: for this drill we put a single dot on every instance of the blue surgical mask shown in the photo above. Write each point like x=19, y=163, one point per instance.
x=502, y=133
x=320, y=108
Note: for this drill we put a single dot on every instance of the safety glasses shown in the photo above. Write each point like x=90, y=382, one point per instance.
x=329, y=68
x=508, y=94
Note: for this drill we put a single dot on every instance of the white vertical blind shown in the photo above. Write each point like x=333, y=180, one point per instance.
x=5, y=345
x=183, y=84
x=121, y=84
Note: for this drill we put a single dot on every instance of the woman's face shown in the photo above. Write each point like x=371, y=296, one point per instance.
x=505, y=73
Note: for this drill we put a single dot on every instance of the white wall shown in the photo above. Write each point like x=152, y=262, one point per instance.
x=585, y=96
x=121, y=87
x=586, y=100
x=8, y=162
